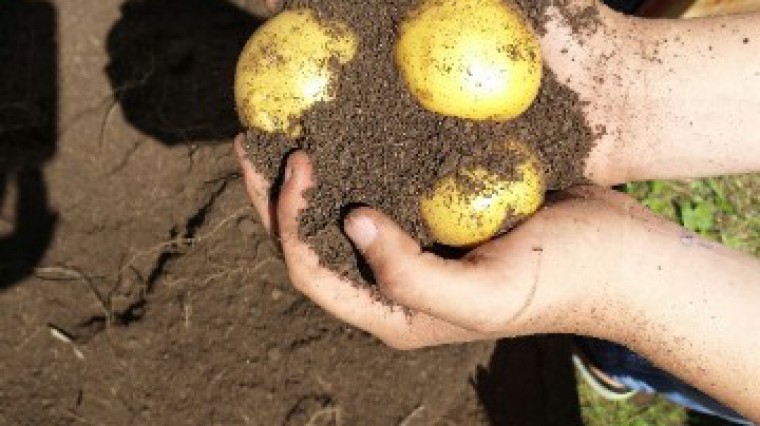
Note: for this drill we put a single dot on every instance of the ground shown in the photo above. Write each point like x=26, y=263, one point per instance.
x=136, y=285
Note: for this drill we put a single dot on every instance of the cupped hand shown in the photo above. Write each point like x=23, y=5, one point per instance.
x=589, y=48
x=266, y=8
x=536, y=279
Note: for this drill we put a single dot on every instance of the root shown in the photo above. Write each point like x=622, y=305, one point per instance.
x=413, y=415
x=182, y=242
x=326, y=413
x=63, y=273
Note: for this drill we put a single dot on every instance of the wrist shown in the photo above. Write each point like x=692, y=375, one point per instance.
x=582, y=266
x=615, y=95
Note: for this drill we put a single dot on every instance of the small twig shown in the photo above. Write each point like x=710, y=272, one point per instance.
x=64, y=337
x=335, y=412
x=182, y=241
x=414, y=414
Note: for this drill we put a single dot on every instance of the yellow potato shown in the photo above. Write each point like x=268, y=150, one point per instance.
x=287, y=66
x=471, y=206
x=476, y=59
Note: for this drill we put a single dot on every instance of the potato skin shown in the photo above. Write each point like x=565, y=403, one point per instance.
x=472, y=205
x=475, y=59
x=284, y=69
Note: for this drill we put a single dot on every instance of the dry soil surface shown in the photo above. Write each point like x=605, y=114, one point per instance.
x=136, y=285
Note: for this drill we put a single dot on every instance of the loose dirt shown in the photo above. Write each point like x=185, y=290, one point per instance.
x=136, y=284
x=375, y=145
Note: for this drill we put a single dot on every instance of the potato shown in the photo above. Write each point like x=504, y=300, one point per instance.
x=476, y=59
x=287, y=66
x=472, y=205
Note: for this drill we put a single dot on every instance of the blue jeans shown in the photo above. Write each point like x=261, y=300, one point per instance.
x=638, y=374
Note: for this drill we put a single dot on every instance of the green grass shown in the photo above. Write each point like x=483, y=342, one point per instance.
x=598, y=411
x=725, y=209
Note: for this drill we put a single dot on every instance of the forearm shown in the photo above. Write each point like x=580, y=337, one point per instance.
x=690, y=306
x=693, y=98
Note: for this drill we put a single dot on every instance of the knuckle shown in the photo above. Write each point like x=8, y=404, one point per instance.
x=391, y=278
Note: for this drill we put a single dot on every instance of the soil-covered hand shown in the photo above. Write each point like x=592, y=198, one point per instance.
x=532, y=281
x=669, y=98
x=643, y=87
x=266, y=8
x=581, y=43
x=589, y=48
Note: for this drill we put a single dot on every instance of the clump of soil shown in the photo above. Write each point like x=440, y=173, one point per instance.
x=375, y=145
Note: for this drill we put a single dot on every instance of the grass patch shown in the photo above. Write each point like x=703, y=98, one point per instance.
x=598, y=411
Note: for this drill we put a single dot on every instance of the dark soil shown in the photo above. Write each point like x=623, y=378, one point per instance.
x=136, y=284
x=375, y=145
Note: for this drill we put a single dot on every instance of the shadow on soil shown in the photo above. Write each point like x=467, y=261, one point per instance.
x=172, y=66
x=28, y=126
x=530, y=381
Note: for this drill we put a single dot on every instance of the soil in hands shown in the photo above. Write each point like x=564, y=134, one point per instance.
x=376, y=146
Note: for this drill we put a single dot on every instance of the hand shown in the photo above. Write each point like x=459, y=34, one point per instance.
x=597, y=60
x=266, y=8
x=594, y=62
x=534, y=280
x=596, y=264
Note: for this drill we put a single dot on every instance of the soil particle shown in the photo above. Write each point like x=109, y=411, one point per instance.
x=582, y=19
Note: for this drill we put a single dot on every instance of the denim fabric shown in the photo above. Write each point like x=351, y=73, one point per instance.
x=638, y=374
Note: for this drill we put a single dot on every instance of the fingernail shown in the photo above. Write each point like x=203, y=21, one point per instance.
x=361, y=230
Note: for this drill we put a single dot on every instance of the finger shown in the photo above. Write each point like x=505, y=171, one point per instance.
x=339, y=296
x=298, y=177
x=467, y=293
x=274, y=6
x=256, y=185
x=358, y=306
x=265, y=8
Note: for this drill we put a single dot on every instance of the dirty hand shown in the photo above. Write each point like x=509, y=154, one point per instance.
x=593, y=62
x=266, y=8
x=535, y=280
x=588, y=47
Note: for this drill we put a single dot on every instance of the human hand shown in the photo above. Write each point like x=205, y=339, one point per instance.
x=595, y=51
x=266, y=8
x=588, y=47
x=534, y=280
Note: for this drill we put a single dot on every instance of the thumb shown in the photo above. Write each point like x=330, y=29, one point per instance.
x=448, y=289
